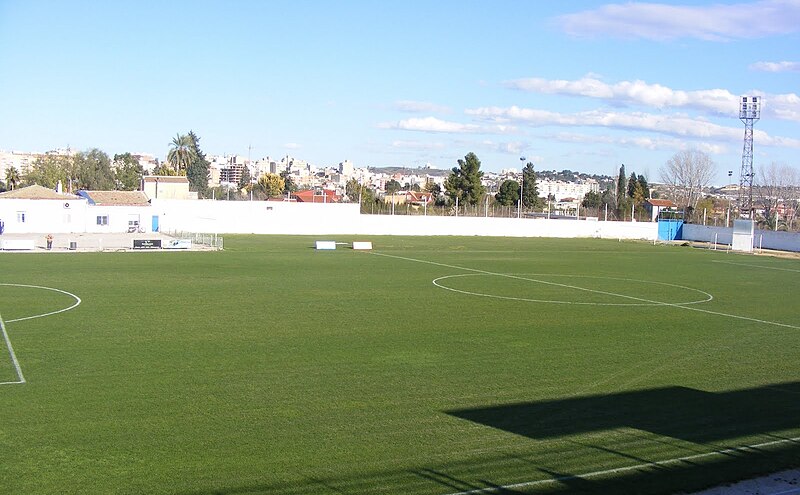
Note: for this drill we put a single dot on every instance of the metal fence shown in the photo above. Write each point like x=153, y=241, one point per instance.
x=214, y=241
x=498, y=211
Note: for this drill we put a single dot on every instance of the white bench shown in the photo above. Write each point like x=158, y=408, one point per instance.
x=362, y=245
x=326, y=245
x=17, y=245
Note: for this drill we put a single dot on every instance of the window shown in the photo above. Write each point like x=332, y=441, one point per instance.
x=102, y=220
x=20, y=217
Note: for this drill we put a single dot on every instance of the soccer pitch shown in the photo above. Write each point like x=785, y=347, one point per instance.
x=427, y=366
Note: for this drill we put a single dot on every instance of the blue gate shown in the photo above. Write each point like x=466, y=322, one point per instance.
x=670, y=230
x=155, y=223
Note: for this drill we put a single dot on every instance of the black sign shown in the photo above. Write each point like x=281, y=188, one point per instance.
x=147, y=244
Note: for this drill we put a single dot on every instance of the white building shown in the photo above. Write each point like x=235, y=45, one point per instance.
x=562, y=190
x=346, y=168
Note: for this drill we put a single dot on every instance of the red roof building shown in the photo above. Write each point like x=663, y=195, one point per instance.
x=316, y=196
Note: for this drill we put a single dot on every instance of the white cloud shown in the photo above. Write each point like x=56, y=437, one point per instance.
x=432, y=124
x=291, y=146
x=658, y=21
x=633, y=92
x=786, y=107
x=676, y=125
x=783, y=66
x=429, y=124
x=412, y=106
x=715, y=101
x=513, y=147
x=417, y=145
x=644, y=142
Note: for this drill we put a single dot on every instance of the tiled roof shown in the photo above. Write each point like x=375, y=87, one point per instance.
x=165, y=179
x=116, y=198
x=36, y=192
x=310, y=196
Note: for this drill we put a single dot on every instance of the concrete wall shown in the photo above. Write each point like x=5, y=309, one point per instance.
x=260, y=217
x=329, y=219
x=782, y=241
x=704, y=233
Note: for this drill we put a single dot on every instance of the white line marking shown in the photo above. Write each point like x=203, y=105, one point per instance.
x=437, y=283
x=14, y=361
x=20, y=378
x=659, y=303
x=595, y=474
x=77, y=301
x=757, y=266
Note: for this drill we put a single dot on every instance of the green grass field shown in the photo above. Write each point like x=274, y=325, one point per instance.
x=428, y=366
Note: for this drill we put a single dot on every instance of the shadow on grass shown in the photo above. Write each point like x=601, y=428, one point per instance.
x=677, y=412
x=680, y=477
x=682, y=413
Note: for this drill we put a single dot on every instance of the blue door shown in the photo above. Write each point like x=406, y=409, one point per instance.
x=670, y=230
x=155, y=223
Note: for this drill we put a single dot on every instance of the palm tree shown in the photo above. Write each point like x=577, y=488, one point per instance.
x=12, y=177
x=181, y=154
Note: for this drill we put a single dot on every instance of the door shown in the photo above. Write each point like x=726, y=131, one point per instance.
x=155, y=223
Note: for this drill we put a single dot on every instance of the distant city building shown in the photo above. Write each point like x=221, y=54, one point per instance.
x=346, y=168
x=563, y=190
x=148, y=162
x=23, y=160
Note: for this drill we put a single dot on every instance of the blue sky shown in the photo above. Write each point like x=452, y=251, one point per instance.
x=582, y=85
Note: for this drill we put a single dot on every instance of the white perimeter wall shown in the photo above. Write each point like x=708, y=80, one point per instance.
x=329, y=219
x=767, y=239
x=259, y=217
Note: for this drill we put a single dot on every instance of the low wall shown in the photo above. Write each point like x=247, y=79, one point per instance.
x=766, y=239
x=268, y=217
x=259, y=217
x=705, y=233
x=502, y=227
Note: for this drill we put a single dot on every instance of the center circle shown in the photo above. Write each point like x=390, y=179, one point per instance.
x=539, y=278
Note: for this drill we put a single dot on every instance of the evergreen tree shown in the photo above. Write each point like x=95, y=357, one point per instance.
x=530, y=191
x=621, y=187
x=645, y=186
x=592, y=200
x=246, y=179
x=198, y=169
x=508, y=195
x=288, y=183
x=392, y=186
x=632, y=183
x=464, y=182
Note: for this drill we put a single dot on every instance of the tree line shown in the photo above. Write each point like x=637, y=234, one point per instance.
x=95, y=170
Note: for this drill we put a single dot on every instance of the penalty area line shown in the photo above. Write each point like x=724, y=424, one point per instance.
x=634, y=298
x=14, y=361
x=606, y=472
x=757, y=266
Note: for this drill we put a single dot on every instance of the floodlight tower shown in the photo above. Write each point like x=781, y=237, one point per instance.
x=749, y=113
